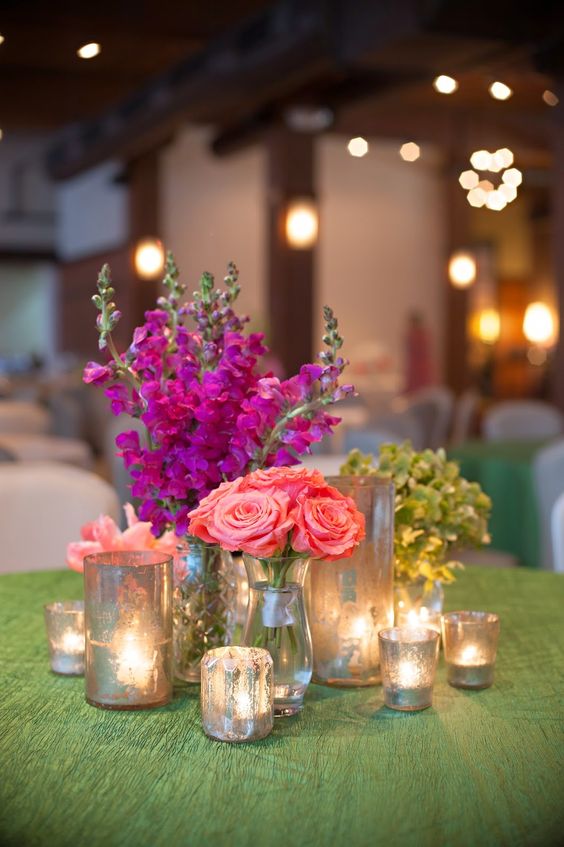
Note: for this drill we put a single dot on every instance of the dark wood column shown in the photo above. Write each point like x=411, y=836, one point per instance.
x=558, y=246
x=455, y=368
x=144, y=222
x=290, y=272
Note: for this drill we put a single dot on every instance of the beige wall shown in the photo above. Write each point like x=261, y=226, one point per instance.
x=213, y=211
x=381, y=243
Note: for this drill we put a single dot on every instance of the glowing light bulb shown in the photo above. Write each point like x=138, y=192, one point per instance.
x=89, y=51
x=2, y=39
x=496, y=201
x=489, y=326
x=445, y=84
x=462, y=269
x=358, y=147
x=477, y=197
x=506, y=156
x=480, y=160
x=500, y=91
x=149, y=258
x=301, y=224
x=538, y=324
x=550, y=98
x=469, y=179
x=410, y=151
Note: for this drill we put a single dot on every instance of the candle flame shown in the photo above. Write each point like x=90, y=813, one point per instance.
x=408, y=674
x=72, y=642
x=469, y=655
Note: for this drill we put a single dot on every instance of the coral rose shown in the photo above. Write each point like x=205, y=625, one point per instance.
x=256, y=522
x=293, y=481
x=326, y=527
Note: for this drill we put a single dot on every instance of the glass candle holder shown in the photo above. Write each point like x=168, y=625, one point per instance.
x=470, y=644
x=408, y=657
x=65, y=634
x=128, y=621
x=237, y=693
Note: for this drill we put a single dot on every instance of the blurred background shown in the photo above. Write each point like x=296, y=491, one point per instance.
x=399, y=160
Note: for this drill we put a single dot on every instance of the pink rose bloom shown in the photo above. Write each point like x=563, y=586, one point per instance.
x=256, y=522
x=327, y=527
x=104, y=535
x=293, y=481
x=200, y=517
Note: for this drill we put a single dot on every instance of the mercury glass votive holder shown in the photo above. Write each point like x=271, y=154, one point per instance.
x=408, y=658
x=470, y=644
x=65, y=634
x=128, y=622
x=237, y=694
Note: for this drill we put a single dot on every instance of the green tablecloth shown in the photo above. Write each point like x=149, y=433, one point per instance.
x=504, y=469
x=479, y=768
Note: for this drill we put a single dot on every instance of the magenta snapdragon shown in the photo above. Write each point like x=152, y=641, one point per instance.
x=210, y=414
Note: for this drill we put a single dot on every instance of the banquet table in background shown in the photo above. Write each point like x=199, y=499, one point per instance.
x=479, y=768
x=504, y=469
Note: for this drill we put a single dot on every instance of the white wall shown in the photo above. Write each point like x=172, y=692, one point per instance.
x=213, y=211
x=27, y=308
x=381, y=250
x=92, y=213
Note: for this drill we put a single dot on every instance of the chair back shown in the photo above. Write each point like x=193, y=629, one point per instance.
x=24, y=417
x=465, y=414
x=557, y=529
x=522, y=420
x=393, y=429
x=432, y=407
x=42, y=508
x=548, y=471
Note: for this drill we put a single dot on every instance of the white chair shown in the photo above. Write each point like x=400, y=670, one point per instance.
x=516, y=420
x=23, y=417
x=548, y=473
x=47, y=448
x=392, y=429
x=42, y=508
x=557, y=527
x=432, y=407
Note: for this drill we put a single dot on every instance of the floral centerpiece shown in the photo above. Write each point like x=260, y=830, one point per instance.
x=192, y=376
x=437, y=513
x=280, y=518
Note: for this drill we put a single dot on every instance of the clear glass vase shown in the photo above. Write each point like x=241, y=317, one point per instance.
x=204, y=607
x=351, y=600
x=277, y=621
x=418, y=604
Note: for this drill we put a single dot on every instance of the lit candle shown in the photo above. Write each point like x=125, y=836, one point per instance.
x=421, y=616
x=65, y=633
x=128, y=629
x=408, y=658
x=470, y=642
x=237, y=693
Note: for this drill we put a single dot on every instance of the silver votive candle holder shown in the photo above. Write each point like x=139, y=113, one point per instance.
x=128, y=622
x=64, y=623
x=237, y=695
x=470, y=645
x=408, y=658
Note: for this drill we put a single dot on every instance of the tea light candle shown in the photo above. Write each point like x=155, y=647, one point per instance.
x=421, y=616
x=128, y=613
x=408, y=658
x=470, y=642
x=65, y=634
x=237, y=693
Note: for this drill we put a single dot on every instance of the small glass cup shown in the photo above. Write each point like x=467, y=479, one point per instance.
x=408, y=658
x=470, y=644
x=65, y=634
x=237, y=694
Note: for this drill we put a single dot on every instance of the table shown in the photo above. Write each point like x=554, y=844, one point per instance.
x=47, y=448
x=504, y=469
x=479, y=768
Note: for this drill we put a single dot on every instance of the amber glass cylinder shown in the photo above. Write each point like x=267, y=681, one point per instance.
x=128, y=622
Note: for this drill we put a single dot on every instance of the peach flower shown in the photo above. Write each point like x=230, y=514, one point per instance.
x=256, y=522
x=293, y=481
x=327, y=527
x=104, y=535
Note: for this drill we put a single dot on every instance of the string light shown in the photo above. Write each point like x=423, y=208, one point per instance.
x=89, y=51
x=483, y=192
x=410, y=151
x=538, y=324
x=358, y=147
x=445, y=84
x=500, y=91
x=2, y=39
x=468, y=179
x=462, y=269
x=550, y=98
x=149, y=258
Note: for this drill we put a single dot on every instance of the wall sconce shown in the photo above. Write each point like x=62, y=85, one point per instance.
x=149, y=258
x=301, y=223
x=539, y=325
x=462, y=269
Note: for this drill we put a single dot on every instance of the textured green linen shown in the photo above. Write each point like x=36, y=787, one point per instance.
x=505, y=472
x=479, y=768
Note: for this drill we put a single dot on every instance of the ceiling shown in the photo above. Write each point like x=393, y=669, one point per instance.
x=44, y=84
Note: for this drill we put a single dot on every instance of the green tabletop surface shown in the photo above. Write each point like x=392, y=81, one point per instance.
x=478, y=768
x=504, y=469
